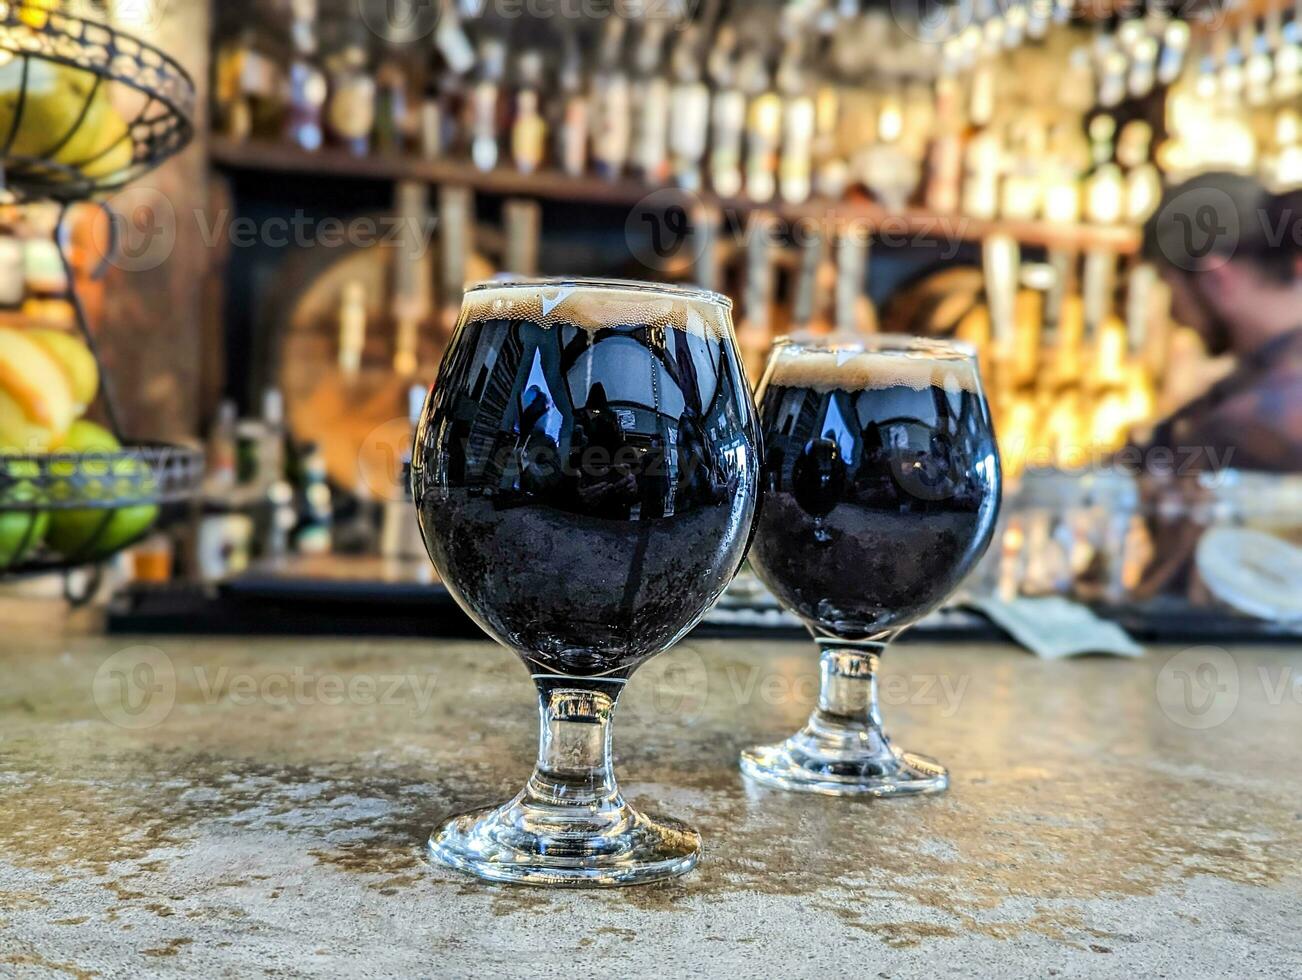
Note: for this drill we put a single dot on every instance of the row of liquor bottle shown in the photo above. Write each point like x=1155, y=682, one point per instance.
x=1210, y=129
x=1251, y=52
x=1236, y=106
x=1018, y=135
x=1074, y=348
x=1258, y=61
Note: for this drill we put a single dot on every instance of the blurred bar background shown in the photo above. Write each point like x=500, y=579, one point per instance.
x=284, y=289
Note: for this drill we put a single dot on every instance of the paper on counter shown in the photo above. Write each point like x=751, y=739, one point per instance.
x=1053, y=627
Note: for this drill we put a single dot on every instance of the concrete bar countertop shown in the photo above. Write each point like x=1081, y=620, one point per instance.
x=258, y=806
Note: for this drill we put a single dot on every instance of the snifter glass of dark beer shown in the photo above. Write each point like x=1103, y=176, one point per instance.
x=586, y=474
x=881, y=485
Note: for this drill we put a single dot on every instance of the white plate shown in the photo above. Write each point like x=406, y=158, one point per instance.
x=1252, y=571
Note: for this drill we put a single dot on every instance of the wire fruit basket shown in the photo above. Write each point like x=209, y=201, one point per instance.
x=84, y=109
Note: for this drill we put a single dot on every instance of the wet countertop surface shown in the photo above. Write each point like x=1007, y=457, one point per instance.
x=250, y=806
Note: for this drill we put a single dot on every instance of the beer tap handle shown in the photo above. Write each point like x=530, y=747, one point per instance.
x=1063, y=264
x=411, y=299
x=1139, y=304
x=706, y=266
x=523, y=224
x=803, y=306
x=1001, y=261
x=854, y=312
x=456, y=241
x=755, y=334
x=1099, y=286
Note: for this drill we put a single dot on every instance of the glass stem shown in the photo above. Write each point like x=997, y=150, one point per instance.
x=575, y=767
x=848, y=719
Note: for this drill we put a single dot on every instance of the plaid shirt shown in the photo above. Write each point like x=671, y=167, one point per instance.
x=1250, y=420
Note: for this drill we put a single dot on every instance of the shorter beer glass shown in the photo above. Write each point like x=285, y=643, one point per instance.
x=881, y=485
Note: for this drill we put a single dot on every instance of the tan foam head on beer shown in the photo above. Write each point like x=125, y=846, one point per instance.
x=860, y=370
x=599, y=305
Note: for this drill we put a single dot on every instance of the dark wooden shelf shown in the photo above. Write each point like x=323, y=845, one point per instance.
x=890, y=227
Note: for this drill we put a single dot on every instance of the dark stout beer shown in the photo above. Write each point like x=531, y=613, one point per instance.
x=880, y=485
x=585, y=470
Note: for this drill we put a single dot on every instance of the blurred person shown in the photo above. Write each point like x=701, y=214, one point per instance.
x=1231, y=252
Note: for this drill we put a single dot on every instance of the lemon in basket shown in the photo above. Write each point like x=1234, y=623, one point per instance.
x=66, y=117
x=74, y=358
x=37, y=404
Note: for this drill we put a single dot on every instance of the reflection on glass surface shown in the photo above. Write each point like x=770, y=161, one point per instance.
x=586, y=477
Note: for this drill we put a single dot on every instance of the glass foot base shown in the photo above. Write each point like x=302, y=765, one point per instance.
x=528, y=844
x=890, y=773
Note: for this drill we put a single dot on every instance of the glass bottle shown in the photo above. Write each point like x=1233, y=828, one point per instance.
x=831, y=172
x=795, y=160
x=431, y=122
x=312, y=533
x=612, y=120
x=982, y=163
x=1141, y=393
x=350, y=111
x=1143, y=183
x=945, y=157
x=1068, y=159
x=1287, y=69
x=802, y=299
x=259, y=87
x=727, y=115
x=763, y=131
x=392, y=107
x=1287, y=165
x=231, y=105
x=485, y=111
x=221, y=452
x=307, y=84
x=453, y=136
x=1105, y=185
x=1020, y=193
x=689, y=112
x=528, y=129
x=1175, y=45
x=571, y=133
x=399, y=531
x=650, y=103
